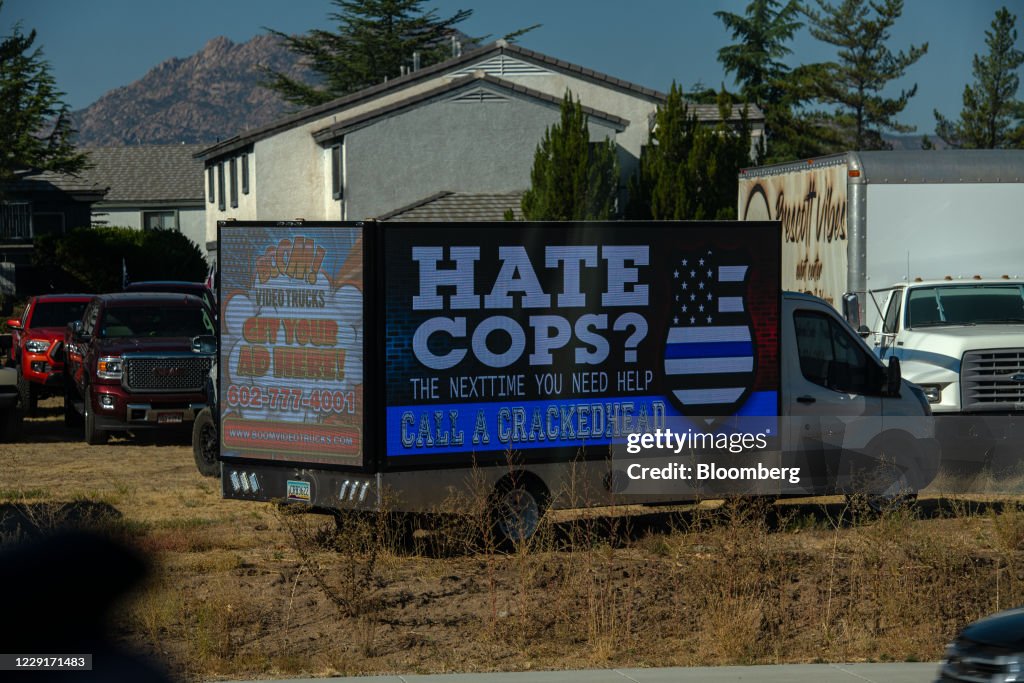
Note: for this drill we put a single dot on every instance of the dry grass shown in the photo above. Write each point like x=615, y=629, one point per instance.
x=247, y=590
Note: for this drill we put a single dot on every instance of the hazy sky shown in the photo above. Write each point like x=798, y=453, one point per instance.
x=96, y=46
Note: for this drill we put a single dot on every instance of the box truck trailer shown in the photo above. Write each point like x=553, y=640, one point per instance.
x=925, y=248
x=364, y=365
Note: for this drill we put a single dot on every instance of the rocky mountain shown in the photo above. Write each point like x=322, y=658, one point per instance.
x=210, y=96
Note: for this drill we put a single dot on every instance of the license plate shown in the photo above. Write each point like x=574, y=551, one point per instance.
x=169, y=418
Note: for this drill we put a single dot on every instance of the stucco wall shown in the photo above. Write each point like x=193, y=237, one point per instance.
x=460, y=146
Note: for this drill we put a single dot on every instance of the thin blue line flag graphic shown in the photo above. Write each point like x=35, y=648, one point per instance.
x=710, y=361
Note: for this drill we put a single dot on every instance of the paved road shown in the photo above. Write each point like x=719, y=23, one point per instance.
x=792, y=673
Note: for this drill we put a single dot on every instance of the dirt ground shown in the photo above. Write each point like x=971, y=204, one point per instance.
x=246, y=590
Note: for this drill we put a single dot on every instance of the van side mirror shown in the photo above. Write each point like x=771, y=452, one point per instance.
x=893, y=378
x=851, y=310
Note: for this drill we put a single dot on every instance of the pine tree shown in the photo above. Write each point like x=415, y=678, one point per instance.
x=689, y=169
x=991, y=116
x=373, y=41
x=755, y=60
x=35, y=125
x=860, y=29
x=572, y=179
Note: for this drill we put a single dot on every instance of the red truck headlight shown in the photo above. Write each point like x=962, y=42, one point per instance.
x=37, y=346
x=109, y=367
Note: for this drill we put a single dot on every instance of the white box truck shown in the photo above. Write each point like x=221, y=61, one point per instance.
x=392, y=364
x=930, y=243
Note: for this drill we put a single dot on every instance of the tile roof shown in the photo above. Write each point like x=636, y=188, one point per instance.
x=346, y=125
x=454, y=207
x=225, y=147
x=148, y=173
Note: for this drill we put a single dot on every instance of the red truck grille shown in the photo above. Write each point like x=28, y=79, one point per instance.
x=992, y=380
x=183, y=374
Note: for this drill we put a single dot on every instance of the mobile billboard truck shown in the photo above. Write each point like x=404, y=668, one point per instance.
x=922, y=249
x=365, y=365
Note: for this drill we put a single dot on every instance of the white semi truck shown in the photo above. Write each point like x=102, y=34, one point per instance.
x=925, y=249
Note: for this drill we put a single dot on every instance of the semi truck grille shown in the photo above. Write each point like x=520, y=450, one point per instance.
x=992, y=380
x=173, y=373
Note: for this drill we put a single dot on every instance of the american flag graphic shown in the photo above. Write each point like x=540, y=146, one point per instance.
x=709, y=352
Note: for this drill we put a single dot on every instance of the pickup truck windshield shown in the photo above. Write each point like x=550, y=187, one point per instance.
x=155, y=321
x=965, y=305
x=57, y=313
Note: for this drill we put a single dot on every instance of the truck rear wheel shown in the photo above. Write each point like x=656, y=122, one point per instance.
x=205, y=444
x=93, y=435
x=892, y=482
x=517, y=506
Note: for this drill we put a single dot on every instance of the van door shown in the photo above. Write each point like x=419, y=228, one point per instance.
x=832, y=390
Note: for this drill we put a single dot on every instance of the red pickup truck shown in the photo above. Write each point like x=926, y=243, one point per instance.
x=134, y=362
x=37, y=344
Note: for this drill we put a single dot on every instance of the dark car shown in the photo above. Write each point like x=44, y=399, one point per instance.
x=37, y=344
x=133, y=362
x=177, y=287
x=990, y=650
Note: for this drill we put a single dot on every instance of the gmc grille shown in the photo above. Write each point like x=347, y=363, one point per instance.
x=183, y=374
x=992, y=380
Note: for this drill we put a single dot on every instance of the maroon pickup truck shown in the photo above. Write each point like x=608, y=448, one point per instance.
x=133, y=363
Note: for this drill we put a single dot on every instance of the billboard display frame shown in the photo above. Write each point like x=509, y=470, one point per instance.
x=388, y=234
x=283, y=457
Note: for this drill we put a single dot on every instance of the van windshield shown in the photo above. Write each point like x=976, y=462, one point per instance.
x=155, y=321
x=965, y=305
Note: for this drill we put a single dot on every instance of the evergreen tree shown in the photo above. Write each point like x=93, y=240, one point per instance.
x=762, y=34
x=35, y=125
x=991, y=117
x=374, y=40
x=572, y=179
x=755, y=60
x=689, y=170
x=860, y=29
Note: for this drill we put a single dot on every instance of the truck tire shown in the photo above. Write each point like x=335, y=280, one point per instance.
x=205, y=446
x=895, y=485
x=517, y=506
x=29, y=394
x=93, y=436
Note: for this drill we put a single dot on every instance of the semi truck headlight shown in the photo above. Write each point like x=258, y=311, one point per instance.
x=933, y=392
x=109, y=367
x=37, y=346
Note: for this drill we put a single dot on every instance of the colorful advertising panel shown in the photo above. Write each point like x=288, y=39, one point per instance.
x=561, y=337
x=291, y=357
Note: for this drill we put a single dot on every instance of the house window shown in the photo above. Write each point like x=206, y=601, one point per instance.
x=160, y=220
x=245, y=174
x=337, y=173
x=220, y=186
x=211, y=188
x=234, y=183
x=15, y=220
